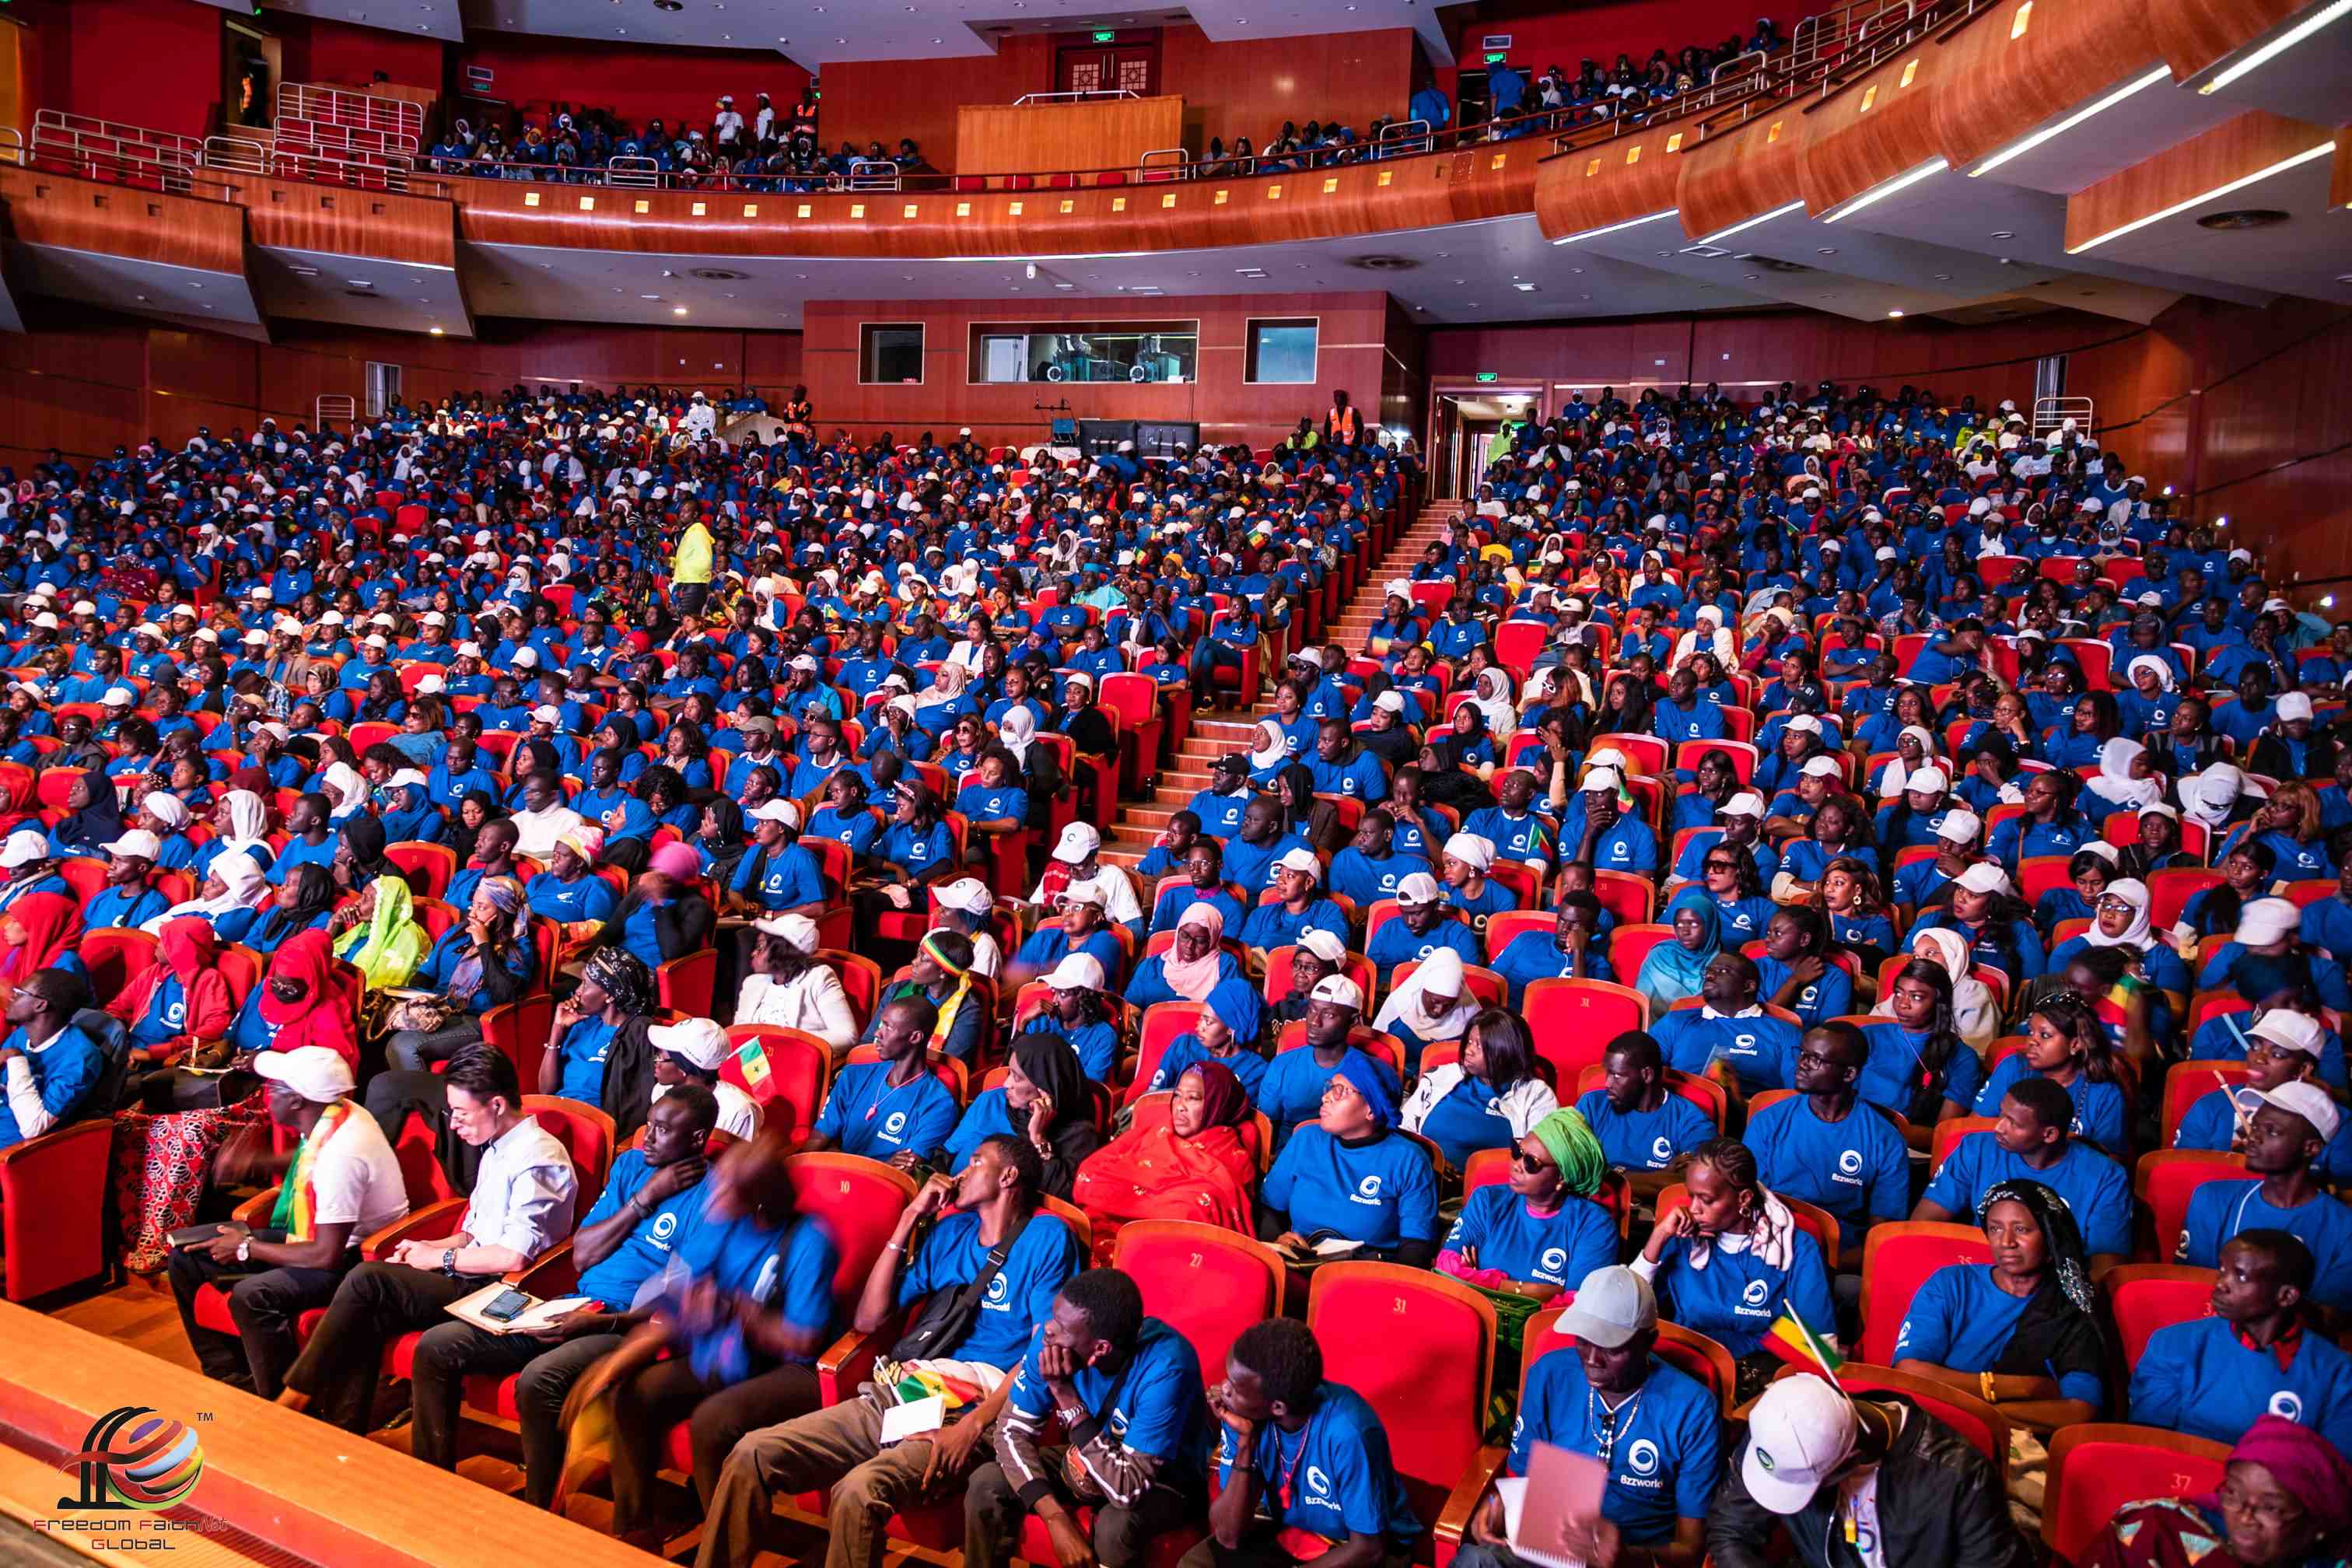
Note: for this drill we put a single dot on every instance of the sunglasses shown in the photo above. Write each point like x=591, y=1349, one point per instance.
x=1526, y=1161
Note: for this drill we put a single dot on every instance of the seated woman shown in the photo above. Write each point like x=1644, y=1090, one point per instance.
x=914, y=849
x=1191, y=968
x=940, y=975
x=1538, y=1231
x=1351, y=1178
x=485, y=961
x=1853, y=899
x=1489, y=1098
x=1193, y=1165
x=1733, y=1258
x=1986, y=910
x=378, y=935
x=2119, y=919
x=1976, y=1015
x=166, y=1139
x=2282, y=1046
x=2247, y=873
x=664, y=915
x=2094, y=865
x=1429, y=1008
x=93, y=817
x=231, y=900
x=598, y=1051
x=38, y=931
x=178, y=1000
x=1796, y=970
x=1045, y=1101
x=1081, y=1015
x=2022, y=1331
x=304, y=901
x=1920, y=1067
x=1838, y=831
x=1674, y=969
x=788, y=988
x=2159, y=846
x=2285, y=1501
x=1226, y=1031
x=2289, y=824
x=2263, y=957
x=2066, y=1045
x=993, y=800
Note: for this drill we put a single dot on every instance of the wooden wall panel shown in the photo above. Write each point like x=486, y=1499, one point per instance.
x=1731, y=177
x=2193, y=34
x=1488, y=181
x=1614, y=182
x=1041, y=138
x=1880, y=124
x=2255, y=140
x=118, y=220
x=882, y=100
x=382, y=225
x=1248, y=88
x=2064, y=53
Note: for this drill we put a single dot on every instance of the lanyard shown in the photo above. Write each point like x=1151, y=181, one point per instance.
x=1290, y=1468
x=1605, y=1422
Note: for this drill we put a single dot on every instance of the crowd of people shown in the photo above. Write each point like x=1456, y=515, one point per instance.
x=1921, y=726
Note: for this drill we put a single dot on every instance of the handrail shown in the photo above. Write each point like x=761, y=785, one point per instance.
x=873, y=175
x=128, y=154
x=335, y=134
x=318, y=102
x=635, y=171
x=240, y=155
x=1392, y=140
x=11, y=145
x=1076, y=95
x=326, y=166
x=2050, y=414
x=1761, y=56
x=1148, y=172
x=335, y=402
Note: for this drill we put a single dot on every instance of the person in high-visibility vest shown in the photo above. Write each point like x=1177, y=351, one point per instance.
x=689, y=570
x=1344, y=426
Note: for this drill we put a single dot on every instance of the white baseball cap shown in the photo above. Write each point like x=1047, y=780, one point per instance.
x=969, y=895
x=787, y=812
x=1822, y=768
x=1928, y=779
x=547, y=713
x=23, y=847
x=2299, y=1096
x=1799, y=1433
x=1076, y=972
x=1611, y=1305
x=2292, y=706
x=1420, y=888
x=1079, y=840
x=314, y=1072
x=2290, y=1031
x=700, y=1040
x=123, y=697
x=1984, y=876
x=1340, y=991
x=138, y=843
x=1301, y=859
x=1747, y=802
x=798, y=930
x=1324, y=946
x=1961, y=825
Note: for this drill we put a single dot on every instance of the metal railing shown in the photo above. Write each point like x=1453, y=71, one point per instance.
x=2051, y=414
x=636, y=172
x=1403, y=138
x=237, y=155
x=104, y=149
x=330, y=166
x=307, y=132
x=1760, y=57
x=1161, y=164
x=333, y=405
x=1026, y=98
x=873, y=175
x=12, y=146
x=359, y=110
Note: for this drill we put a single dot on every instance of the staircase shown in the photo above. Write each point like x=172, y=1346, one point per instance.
x=1187, y=773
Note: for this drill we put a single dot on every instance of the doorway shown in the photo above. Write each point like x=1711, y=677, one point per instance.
x=1465, y=427
x=1111, y=61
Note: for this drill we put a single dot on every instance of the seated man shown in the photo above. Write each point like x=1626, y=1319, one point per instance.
x=1654, y=1427
x=650, y=1209
x=344, y=1186
x=1285, y=1430
x=1125, y=1390
x=521, y=1206
x=1730, y=1025
x=2283, y=1141
x=2029, y=1142
x=1424, y=923
x=2282, y=1048
x=996, y=1243
x=1642, y=1128
x=50, y=1067
x=1823, y=1146
x=2215, y=1376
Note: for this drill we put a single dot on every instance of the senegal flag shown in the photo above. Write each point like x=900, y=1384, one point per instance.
x=750, y=1065
x=1793, y=1340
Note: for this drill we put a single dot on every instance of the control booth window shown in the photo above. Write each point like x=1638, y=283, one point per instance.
x=1131, y=351
x=891, y=356
x=1281, y=350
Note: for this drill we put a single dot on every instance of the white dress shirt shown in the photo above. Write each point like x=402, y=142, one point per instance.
x=525, y=1192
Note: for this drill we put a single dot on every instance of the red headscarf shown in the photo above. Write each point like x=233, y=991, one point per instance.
x=322, y=1014
x=51, y=923
x=186, y=954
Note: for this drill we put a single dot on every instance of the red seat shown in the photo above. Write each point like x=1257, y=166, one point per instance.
x=1686, y=1350
x=1163, y=1023
x=53, y=1199
x=1896, y=1258
x=587, y=1134
x=520, y=1029
x=1206, y=1283
x=427, y=867
x=2185, y=1083
x=2163, y=1182
x=2145, y=1297
x=2098, y=1467
x=1984, y=1427
x=1574, y=1020
x=799, y=1068
x=112, y=955
x=686, y=983
x=1421, y=1349
x=86, y=877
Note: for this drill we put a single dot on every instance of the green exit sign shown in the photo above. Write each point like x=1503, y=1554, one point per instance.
x=1487, y=376
x=1495, y=57
x=1105, y=37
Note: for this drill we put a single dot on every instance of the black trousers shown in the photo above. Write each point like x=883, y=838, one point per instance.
x=264, y=1303
x=375, y=1304
x=647, y=1405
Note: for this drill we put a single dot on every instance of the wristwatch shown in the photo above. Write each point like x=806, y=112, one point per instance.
x=245, y=1249
x=450, y=1262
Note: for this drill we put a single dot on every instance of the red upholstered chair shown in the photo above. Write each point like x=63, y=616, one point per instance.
x=2164, y=1181
x=427, y=867
x=519, y=1030
x=1574, y=1020
x=1948, y=1135
x=2145, y=1297
x=1207, y=1284
x=1163, y=1023
x=53, y=1197
x=797, y=1071
x=686, y=983
x=1632, y=899
x=1421, y=1349
x=112, y=955
x=1897, y=1260
x=2185, y=1083
x=2098, y=1467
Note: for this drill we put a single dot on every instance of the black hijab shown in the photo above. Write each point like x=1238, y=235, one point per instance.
x=2058, y=1332
x=89, y=830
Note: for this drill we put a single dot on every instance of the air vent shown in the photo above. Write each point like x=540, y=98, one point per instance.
x=718, y=275
x=1709, y=251
x=1774, y=264
x=361, y=294
x=2245, y=218
x=669, y=5
x=1384, y=263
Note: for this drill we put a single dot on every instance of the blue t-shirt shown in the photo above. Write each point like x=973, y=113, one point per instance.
x=615, y=1279
x=1858, y=1169
x=1152, y=1403
x=585, y=1045
x=791, y=1273
x=2096, y=1190
x=1342, y=1482
x=1469, y=1118
x=1961, y=1320
x=1761, y=1049
x=865, y=1115
x=1042, y=1258
x=1645, y=1140
x=1290, y=1091
x=2201, y=1378
x=1380, y=1193
x=2220, y=1210
x=1894, y=1072
x=1736, y=1298
x=1558, y=1248
x=1186, y=1051
x=1664, y=1442
x=2101, y=1115
x=2211, y=1123
x=65, y=1071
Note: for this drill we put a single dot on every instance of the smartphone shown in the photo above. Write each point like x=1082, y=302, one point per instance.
x=506, y=1306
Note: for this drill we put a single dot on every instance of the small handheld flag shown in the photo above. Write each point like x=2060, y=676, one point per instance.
x=1793, y=1340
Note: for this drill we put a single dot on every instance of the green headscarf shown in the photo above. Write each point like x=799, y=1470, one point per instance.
x=387, y=948
x=1568, y=1139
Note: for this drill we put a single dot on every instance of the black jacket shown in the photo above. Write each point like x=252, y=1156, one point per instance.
x=682, y=926
x=1939, y=1501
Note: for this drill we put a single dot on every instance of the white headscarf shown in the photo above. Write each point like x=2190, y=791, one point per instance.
x=2139, y=934
x=1016, y=731
x=1492, y=693
x=1975, y=1016
x=345, y=791
x=1895, y=778
x=2207, y=797
x=2116, y=781
x=946, y=686
x=1271, y=747
x=243, y=887
x=2149, y=661
x=1441, y=974
x=249, y=821
x=1703, y=638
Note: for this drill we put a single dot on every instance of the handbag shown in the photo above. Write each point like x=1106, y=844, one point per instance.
x=948, y=1317
x=420, y=1017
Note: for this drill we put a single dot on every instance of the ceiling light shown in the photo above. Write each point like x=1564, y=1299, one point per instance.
x=1880, y=193
x=2278, y=46
x=1525, y=288
x=1781, y=211
x=677, y=309
x=1895, y=315
x=1613, y=229
x=2004, y=234
x=435, y=330
x=1826, y=250
x=2016, y=148
x=2325, y=149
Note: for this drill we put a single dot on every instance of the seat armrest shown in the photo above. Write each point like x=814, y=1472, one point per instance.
x=849, y=1359
x=1453, y=1525
x=426, y=1221
x=552, y=1275
x=254, y=1211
